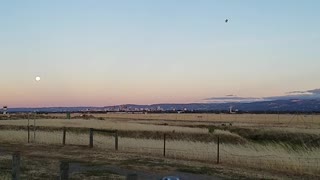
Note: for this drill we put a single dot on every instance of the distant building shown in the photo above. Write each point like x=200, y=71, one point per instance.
x=5, y=109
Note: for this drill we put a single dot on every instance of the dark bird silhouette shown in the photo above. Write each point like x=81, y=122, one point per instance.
x=226, y=20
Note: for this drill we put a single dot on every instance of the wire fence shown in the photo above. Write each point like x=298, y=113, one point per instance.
x=169, y=147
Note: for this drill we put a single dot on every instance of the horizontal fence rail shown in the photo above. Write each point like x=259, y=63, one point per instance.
x=167, y=146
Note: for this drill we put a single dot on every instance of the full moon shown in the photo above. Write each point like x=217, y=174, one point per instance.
x=38, y=78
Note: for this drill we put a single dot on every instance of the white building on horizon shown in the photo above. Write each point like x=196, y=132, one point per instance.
x=5, y=109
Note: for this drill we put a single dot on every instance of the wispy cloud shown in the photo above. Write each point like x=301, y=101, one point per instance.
x=297, y=92
x=293, y=95
x=232, y=98
x=230, y=95
x=315, y=91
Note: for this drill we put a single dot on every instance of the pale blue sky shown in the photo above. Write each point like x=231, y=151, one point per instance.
x=112, y=52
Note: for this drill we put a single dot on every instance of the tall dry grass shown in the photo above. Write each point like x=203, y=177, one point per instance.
x=249, y=119
x=102, y=124
x=285, y=120
x=133, y=125
x=271, y=156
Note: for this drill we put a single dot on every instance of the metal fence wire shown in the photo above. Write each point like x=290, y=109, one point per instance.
x=167, y=146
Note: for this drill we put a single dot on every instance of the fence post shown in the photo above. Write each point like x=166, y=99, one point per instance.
x=116, y=140
x=218, y=150
x=64, y=170
x=91, y=138
x=132, y=177
x=28, y=129
x=34, y=130
x=64, y=136
x=68, y=115
x=28, y=133
x=16, y=166
x=164, y=144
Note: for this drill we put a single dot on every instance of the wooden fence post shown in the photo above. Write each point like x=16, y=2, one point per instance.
x=28, y=133
x=16, y=166
x=218, y=150
x=64, y=170
x=34, y=130
x=164, y=144
x=28, y=129
x=132, y=177
x=68, y=115
x=64, y=136
x=91, y=138
x=116, y=141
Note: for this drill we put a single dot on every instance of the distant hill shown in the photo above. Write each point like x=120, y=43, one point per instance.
x=262, y=106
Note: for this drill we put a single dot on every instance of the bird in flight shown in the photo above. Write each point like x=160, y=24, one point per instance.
x=226, y=20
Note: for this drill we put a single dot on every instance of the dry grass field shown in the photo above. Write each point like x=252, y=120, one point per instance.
x=296, y=120
x=282, y=143
x=101, y=124
x=239, y=118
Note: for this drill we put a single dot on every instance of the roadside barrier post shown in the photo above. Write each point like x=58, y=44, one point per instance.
x=64, y=170
x=16, y=166
x=132, y=177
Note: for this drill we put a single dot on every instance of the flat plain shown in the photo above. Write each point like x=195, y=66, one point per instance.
x=283, y=143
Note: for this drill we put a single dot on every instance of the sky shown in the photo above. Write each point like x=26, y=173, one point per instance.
x=103, y=52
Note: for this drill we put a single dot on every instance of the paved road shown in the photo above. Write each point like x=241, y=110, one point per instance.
x=143, y=175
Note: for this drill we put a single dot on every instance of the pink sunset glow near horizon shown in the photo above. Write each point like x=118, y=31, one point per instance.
x=100, y=53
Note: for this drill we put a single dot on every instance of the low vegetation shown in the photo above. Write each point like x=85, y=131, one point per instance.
x=292, y=149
